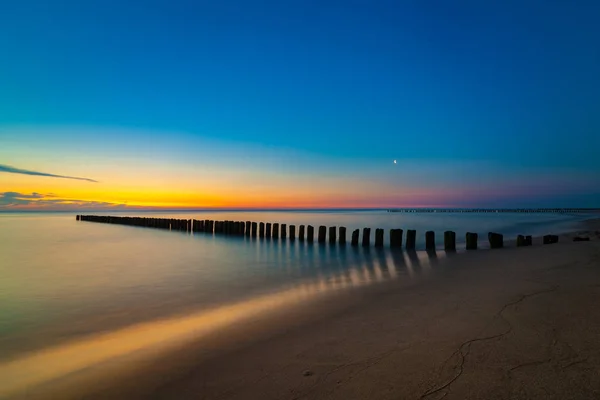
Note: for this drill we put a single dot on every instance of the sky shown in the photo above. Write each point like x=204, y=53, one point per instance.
x=299, y=104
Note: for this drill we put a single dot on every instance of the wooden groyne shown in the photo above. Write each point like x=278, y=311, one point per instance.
x=332, y=235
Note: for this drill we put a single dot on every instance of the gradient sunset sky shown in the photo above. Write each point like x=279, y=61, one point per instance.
x=276, y=104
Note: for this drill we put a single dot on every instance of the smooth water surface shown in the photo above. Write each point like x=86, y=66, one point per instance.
x=61, y=279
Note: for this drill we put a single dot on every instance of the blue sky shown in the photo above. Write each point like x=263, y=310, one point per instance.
x=343, y=85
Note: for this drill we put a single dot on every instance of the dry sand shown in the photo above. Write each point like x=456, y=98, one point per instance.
x=515, y=323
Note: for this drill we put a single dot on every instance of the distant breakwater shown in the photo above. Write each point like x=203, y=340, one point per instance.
x=496, y=210
x=332, y=235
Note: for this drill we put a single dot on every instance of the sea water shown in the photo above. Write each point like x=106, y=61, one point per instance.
x=61, y=279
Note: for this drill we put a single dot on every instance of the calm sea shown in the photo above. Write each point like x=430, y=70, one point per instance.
x=61, y=279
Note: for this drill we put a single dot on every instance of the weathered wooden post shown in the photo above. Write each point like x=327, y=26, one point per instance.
x=366, y=240
x=322, y=234
x=379, y=237
x=301, y=233
x=268, y=232
x=332, y=234
x=292, y=232
x=411, y=239
x=276, y=230
x=550, y=239
x=261, y=230
x=248, y=228
x=430, y=240
x=528, y=240
x=283, y=231
x=77, y=217
x=496, y=240
x=254, y=225
x=342, y=235
x=521, y=241
x=354, y=238
x=396, y=238
x=472, y=241
x=310, y=233
x=449, y=241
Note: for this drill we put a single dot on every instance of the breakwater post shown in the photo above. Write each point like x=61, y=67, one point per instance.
x=496, y=240
x=268, y=230
x=430, y=240
x=275, y=231
x=472, y=241
x=292, y=232
x=396, y=238
x=354, y=239
x=283, y=231
x=450, y=241
x=366, y=240
x=342, y=235
x=550, y=239
x=332, y=234
x=411, y=239
x=310, y=233
x=322, y=234
x=301, y=233
x=379, y=237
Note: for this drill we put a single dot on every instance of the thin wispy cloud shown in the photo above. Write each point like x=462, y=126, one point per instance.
x=13, y=170
x=40, y=201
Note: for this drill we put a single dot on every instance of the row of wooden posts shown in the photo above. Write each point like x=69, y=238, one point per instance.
x=336, y=235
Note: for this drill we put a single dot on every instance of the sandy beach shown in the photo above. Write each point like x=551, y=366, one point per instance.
x=515, y=323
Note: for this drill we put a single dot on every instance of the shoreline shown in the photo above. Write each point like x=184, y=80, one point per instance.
x=400, y=339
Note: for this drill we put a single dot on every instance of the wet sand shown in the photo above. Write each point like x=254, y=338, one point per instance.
x=516, y=323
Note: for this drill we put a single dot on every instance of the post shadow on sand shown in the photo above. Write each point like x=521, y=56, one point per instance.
x=368, y=255
x=413, y=258
x=383, y=264
x=398, y=260
x=433, y=257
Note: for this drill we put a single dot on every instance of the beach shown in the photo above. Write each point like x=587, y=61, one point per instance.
x=491, y=324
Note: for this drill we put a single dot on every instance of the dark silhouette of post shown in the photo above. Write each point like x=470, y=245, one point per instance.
x=379, y=237
x=472, y=241
x=332, y=234
x=248, y=228
x=550, y=239
x=411, y=239
x=261, y=229
x=396, y=238
x=292, y=232
x=254, y=226
x=449, y=241
x=301, y=233
x=528, y=241
x=275, y=231
x=354, y=239
x=430, y=240
x=322, y=234
x=268, y=232
x=310, y=233
x=342, y=235
x=366, y=240
x=283, y=231
x=496, y=240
